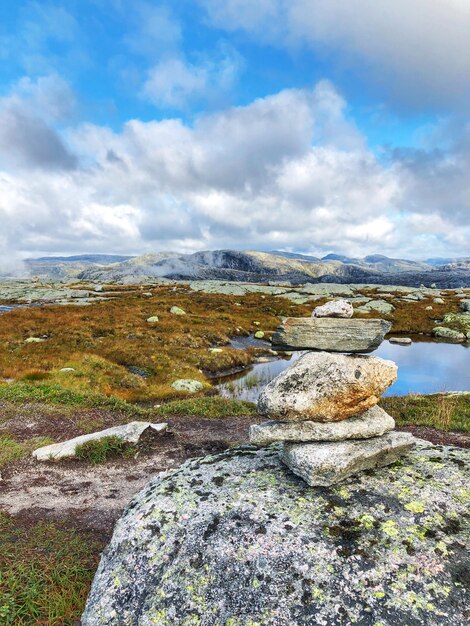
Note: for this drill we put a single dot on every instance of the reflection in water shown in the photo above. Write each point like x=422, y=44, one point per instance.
x=424, y=367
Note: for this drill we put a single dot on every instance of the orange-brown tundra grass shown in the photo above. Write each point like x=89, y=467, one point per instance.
x=102, y=340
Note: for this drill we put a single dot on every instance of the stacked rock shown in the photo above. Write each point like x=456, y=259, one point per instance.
x=324, y=407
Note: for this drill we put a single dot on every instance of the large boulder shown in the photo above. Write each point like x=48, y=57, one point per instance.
x=335, y=335
x=373, y=423
x=325, y=387
x=236, y=539
x=335, y=308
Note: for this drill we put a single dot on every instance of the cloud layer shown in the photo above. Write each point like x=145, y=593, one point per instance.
x=416, y=53
x=290, y=171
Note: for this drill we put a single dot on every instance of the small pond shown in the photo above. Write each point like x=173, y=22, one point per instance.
x=423, y=367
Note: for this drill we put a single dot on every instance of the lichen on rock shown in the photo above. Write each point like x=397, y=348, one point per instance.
x=236, y=539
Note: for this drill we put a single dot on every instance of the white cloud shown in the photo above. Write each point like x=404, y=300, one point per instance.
x=174, y=81
x=289, y=171
x=417, y=52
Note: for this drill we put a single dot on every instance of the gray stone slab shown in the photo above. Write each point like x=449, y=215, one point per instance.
x=328, y=463
x=334, y=335
x=371, y=423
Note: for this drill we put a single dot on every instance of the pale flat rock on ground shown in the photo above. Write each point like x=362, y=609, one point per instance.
x=325, y=387
x=188, y=385
x=372, y=423
x=336, y=308
x=335, y=335
x=128, y=432
x=401, y=341
x=449, y=334
x=328, y=463
x=381, y=306
x=237, y=539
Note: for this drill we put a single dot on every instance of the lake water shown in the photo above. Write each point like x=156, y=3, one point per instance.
x=423, y=367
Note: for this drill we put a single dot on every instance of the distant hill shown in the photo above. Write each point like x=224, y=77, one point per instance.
x=253, y=266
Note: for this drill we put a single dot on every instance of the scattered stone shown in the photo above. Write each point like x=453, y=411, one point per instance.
x=153, y=319
x=438, y=301
x=336, y=335
x=402, y=341
x=147, y=294
x=215, y=350
x=99, y=288
x=67, y=449
x=187, y=384
x=326, y=387
x=428, y=308
x=35, y=340
x=324, y=464
x=67, y=369
x=373, y=423
x=448, y=333
x=259, y=334
x=176, y=310
x=236, y=539
x=256, y=323
x=465, y=306
x=381, y=306
x=459, y=319
x=336, y=308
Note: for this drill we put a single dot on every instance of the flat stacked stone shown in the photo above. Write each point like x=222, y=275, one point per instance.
x=323, y=409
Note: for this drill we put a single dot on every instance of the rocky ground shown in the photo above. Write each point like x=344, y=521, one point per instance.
x=101, y=340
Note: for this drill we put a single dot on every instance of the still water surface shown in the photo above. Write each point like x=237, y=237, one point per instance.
x=423, y=367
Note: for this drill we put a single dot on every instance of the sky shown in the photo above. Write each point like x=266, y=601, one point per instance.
x=312, y=126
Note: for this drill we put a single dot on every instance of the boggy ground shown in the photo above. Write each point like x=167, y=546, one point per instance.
x=55, y=518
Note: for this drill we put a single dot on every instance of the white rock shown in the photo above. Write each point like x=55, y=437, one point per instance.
x=402, y=341
x=373, y=423
x=324, y=464
x=128, y=432
x=187, y=384
x=325, y=387
x=336, y=308
x=153, y=319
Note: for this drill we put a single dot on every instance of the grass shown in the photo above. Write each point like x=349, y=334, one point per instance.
x=441, y=411
x=103, y=450
x=45, y=573
x=55, y=394
x=12, y=450
x=211, y=407
x=108, y=341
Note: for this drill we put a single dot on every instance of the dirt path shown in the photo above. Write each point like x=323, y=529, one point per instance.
x=93, y=496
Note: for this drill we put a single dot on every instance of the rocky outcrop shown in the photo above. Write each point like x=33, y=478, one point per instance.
x=327, y=463
x=326, y=387
x=130, y=433
x=236, y=539
x=373, y=423
x=335, y=308
x=336, y=335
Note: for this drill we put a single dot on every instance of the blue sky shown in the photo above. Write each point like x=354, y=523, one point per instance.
x=135, y=126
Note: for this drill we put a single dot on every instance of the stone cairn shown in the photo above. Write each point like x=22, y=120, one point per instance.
x=323, y=408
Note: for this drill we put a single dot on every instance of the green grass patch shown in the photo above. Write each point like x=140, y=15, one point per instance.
x=213, y=407
x=45, y=573
x=441, y=411
x=104, y=449
x=12, y=450
x=55, y=394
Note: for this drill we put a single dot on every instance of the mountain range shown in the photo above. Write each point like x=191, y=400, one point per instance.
x=253, y=266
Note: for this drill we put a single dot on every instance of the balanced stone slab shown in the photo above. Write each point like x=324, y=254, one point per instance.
x=372, y=423
x=324, y=387
x=325, y=464
x=332, y=334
